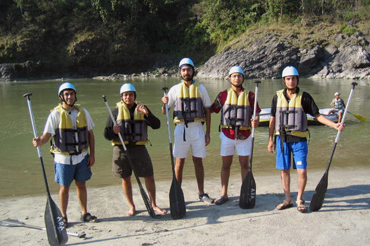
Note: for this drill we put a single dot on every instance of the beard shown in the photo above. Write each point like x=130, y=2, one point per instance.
x=187, y=77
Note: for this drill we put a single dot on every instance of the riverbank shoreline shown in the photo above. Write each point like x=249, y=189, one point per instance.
x=343, y=219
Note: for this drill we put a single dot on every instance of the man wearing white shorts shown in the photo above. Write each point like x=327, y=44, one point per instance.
x=191, y=105
x=236, y=106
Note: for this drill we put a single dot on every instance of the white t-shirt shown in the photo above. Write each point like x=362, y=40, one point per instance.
x=174, y=93
x=53, y=122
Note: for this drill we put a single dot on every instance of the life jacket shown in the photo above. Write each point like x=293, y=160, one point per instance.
x=236, y=112
x=338, y=103
x=290, y=115
x=189, y=105
x=132, y=130
x=67, y=140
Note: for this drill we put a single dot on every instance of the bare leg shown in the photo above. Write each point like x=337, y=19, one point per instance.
x=199, y=173
x=244, y=165
x=127, y=190
x=63, y=199
x=150, y=186
x=82, y=196
x=302, y=180
x=225, y=174
x=179, y=167
x=285, y=179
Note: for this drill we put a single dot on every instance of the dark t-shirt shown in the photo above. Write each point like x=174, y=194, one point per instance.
x=309, y=107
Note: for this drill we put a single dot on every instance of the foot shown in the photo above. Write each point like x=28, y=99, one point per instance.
x=221, y=200
x=159, y=211
x=89, y=218
x=300, y=206
x=284, y=205
x=206, y=199
x=65, y=221
x=131, y=212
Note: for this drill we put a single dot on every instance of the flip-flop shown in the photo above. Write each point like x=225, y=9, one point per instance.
x=301, y=207
x=89, y=218
x=284, y=205
x=221, y=200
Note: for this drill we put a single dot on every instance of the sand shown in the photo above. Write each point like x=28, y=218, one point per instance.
x=343, y=220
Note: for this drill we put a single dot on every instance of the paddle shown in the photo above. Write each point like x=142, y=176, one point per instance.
x=248, y=190
x=145, y=197
x=177, y=202
x=56, y=231
x=17, y=223
x=317, y=199
x=359, y=117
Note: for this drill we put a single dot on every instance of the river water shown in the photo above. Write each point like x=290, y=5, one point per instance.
x=20, y=166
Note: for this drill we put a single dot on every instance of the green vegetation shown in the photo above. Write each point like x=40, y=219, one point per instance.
x=103, y=36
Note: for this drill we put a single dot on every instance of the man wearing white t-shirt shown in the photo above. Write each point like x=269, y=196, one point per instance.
x=70, y=128
x=191, y=105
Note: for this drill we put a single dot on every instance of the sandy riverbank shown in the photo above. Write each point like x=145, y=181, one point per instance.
x=343, y=220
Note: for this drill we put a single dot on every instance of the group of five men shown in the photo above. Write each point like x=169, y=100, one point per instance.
x=70, y=128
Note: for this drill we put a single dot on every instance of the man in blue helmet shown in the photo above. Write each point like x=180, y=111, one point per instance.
x=132, y=120
x=289, y=124
x=236, y=105
x=70, y=128
x=191, y=103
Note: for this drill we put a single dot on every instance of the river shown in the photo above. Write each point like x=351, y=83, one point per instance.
x=20, y=166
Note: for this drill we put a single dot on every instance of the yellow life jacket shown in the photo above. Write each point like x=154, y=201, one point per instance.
x=290, y=115
x=132, y=130
x=189, y=105
x=67, y=140
x=236, y=112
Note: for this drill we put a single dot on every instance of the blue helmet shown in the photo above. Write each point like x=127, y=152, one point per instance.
x=186, y=61
x=290, y=71
x=236, y=69
x=66, y=86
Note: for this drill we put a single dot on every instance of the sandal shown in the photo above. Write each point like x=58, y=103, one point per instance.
x=284, y=205
x=300, y=206
x=65, y=221
x=89, y=218
x=221, y=200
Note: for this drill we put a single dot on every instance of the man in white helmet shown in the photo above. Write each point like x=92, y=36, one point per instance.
x=289, y=124
x=70, y=127
x=191, y=103
x=132, y=120
x=236, y=105
x=338, y=104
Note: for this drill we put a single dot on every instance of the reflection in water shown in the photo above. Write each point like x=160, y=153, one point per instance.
x=20, y=165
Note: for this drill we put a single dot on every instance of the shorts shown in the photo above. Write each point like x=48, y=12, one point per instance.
x=66, y=173
x=299, y=151
x=228, y=146
x=140, y=158
x=194, y=139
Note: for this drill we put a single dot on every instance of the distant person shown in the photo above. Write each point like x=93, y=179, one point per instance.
x=70, y=127
x=338, y=104
x=236, y=105
x=289, y=123
x=191, y=103
x=132, y=120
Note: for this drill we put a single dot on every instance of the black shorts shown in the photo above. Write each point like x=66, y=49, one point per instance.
x=140, y=158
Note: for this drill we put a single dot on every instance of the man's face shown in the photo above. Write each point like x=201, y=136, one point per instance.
x=236, y=79
x=187, y=73
x=69, y=97
x=291, y=82
x=128, y=97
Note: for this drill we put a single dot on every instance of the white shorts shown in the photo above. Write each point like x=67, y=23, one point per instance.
x=194, y=139
x=228, y=146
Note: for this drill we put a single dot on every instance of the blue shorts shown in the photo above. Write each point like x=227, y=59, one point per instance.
x=65, y=173
x=299, y=151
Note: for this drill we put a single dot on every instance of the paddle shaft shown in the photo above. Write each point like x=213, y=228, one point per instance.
x=58, y=234
x=142, y=191
x=254, y=117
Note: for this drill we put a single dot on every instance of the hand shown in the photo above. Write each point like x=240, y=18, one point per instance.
x=91, y=160
x=208, y=139
x=142, y=109
x=165, y=100
x=254, y=123
x=36, y=142
x=271, y=147
x=339, y=126
x=116, y=129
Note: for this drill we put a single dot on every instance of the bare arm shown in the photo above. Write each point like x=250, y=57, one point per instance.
x=91, y=160
x=271, y=145
x=39, y=141
x=164, y=101
x=322, y=119
x=208, y=125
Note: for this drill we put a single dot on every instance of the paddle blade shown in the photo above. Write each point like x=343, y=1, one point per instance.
x=177, y=201
x=248, y=192
x=317, y=199
x=359, y=117
x=56, y=231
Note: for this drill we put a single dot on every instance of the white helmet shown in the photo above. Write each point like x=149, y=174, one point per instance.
x=336, y=94
x=290, y=71
x=186, y=61
x=236, y=69
x=127, y=87
x=66, y=86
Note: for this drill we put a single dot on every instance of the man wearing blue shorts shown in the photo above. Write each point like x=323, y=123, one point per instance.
x=70, y=127
x=289, y=123
x=191, y=104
